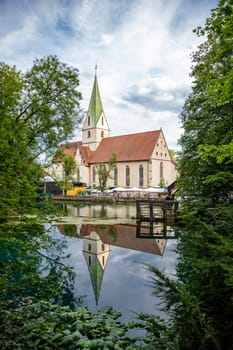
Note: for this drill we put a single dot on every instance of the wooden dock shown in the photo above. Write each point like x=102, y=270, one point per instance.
x=157, y=209
x=155, y=230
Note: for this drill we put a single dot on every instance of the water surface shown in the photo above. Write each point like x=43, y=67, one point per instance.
x=109, y=255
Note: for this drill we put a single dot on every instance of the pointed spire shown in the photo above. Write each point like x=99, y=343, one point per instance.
x=96, y=273
x=95, y=107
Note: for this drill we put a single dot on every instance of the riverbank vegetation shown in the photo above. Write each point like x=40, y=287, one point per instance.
x=200, y=300
x=37, y=288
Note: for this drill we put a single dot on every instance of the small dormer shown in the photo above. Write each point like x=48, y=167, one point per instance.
x=95, y=126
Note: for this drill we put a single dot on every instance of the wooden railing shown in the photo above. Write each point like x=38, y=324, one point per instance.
x=159, y=209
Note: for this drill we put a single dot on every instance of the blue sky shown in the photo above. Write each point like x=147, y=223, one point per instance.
x=142, y=49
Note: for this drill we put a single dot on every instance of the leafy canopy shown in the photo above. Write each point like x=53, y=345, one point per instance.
x=198, y=300
x=38, y=110
x=104, y=171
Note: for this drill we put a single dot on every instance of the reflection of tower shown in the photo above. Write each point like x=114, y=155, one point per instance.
x=96, y=254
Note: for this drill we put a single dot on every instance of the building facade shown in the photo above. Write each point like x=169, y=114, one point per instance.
x=142, y=159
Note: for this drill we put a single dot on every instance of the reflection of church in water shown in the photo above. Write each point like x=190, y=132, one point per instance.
x=96, y=254
x=97, y=240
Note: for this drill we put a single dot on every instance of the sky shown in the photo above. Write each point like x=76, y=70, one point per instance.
x=142, y=49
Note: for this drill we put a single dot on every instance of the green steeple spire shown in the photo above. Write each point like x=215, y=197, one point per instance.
x=96, y=273
x=95, y=107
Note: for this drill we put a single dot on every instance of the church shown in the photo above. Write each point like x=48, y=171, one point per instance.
x=142, y=159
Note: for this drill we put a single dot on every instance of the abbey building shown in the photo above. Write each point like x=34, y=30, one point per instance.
x=142, y=159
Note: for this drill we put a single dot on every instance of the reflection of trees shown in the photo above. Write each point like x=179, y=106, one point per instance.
x=70, y=230
x=32, y=267
x=112, y=231
x=103, y=212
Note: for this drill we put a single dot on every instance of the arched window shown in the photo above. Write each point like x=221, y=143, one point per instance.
x=115, y=176
x=78, y=174
x=88, y=134
x=141, y=175
x=102, y=120
x=161, y=170
x=93, y=174
x=88, y=120
x=127, y=176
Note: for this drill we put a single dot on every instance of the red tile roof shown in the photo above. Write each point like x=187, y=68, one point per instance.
x=132, y=147
x=85, y=153
x=70, y=148
x=124, y=236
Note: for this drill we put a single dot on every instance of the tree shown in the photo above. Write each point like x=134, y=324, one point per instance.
x=207, y=114
x=69, y=169
x=172, y=154
x=206, y=180
x=199, y=301
x=50, y=103
x=39, y=109
x=104, y=171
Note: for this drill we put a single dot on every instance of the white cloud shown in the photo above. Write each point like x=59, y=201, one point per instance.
x=142, y=48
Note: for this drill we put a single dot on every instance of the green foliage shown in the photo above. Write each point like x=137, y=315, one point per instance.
x=104, y=172
x=205, y=264
x=206, y=169
x=172, y=154
x=38, y=110
x=50, y=103
x=162, y=183
x=37, y=306
x=31, y=266
x=222, y=153
x=47, y=326
x=198, y=302
x=207, y=114
x=69, y=170
x=187, y=326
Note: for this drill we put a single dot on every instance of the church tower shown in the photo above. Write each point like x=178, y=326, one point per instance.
x=95, y=126
x=96, y=254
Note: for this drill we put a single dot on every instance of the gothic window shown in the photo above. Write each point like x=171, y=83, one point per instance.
x=88, y=134
x=93, y=174
x=103, y=260
x=78, y=174
x=127, y=176
x=161, y=170
x=115, y=176
x=141, y=175
x=102, y=120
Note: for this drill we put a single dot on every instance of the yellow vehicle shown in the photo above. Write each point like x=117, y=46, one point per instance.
x=77, y=189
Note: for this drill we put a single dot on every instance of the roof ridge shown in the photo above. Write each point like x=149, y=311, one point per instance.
x=136, y=133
